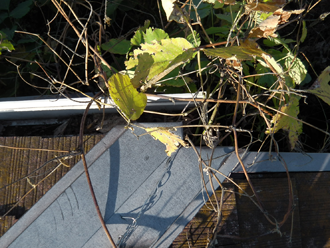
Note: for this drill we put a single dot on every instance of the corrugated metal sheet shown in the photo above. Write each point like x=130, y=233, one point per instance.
x=242, y=224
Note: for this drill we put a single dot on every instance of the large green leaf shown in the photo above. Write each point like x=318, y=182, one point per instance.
x=297, y=70
x=21, y=9
x=126, y=97
x=286, y=123
x=166, y=55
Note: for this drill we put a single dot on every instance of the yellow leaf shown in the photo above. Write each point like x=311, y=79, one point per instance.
x=127, y=98
x=170, y=140
x=286, y=123
x=321, y=87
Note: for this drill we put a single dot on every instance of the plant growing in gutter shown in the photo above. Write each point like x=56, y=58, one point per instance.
x=232, y=51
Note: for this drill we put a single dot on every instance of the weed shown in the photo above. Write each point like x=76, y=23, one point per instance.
x=254, y=80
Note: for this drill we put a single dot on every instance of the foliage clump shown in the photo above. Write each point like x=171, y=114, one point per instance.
x=214, y=47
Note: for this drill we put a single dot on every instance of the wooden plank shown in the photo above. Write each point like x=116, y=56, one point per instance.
x=16, y=164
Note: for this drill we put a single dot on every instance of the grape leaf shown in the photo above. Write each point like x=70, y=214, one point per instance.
x=170, y=140
x=297, y=70
x=126, y=97
x=286, y=123
x=138, y=38
x=166, y=54
x=154, y=35
x=320, y=87
x=142, y=70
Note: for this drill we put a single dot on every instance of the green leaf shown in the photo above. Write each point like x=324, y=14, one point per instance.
x=4, y=5
x=3, y=16
x=138, y=37
x=3, y=35
x=215, y=30
x=117, y=46
x=265, y=80
x=156, y=34
x=126, y=97
x=225, y=17
x=9, y=32
x=21, y=9
x=271, y=41
x=6, y=45
x=175, y=81
x=167, y=55
x=286, y=123
x=304, y=32
x=321, y=86
x=203, y=10
x=246, y=51
x=297, y=70
x=145, y=62
x=271, y=63
x=191, y=39
x=113, y=6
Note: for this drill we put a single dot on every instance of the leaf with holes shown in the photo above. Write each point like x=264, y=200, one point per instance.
x=170, y=140
x=286, y=123
x=126, y=97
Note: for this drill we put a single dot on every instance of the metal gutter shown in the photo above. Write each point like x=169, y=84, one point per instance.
x=41, y=107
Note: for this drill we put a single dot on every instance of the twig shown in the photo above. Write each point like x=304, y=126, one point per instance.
x=81, y=145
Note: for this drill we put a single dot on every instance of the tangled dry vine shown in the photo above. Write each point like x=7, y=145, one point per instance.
x=230, y=51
